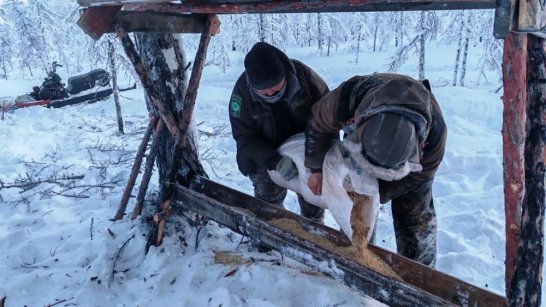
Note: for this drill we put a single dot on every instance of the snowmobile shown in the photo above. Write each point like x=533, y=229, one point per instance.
x=89, y=87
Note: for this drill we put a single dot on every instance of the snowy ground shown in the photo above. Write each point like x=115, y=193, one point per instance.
x=64, y=248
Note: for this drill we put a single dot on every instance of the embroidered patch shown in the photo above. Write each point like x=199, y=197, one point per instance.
x=235, y=106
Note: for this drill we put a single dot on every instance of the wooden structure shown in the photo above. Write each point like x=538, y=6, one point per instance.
x=523, y=132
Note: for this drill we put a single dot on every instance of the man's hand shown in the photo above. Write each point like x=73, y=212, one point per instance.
x=315, y=183
x=286, y=168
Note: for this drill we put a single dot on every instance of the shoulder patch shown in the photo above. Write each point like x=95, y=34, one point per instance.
x=235, y=105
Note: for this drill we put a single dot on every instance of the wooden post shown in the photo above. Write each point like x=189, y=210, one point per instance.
x=145, y=79
x=513, y=137
x=135, y=169
x=150, y=159
x=182, y=144
x=526, y=285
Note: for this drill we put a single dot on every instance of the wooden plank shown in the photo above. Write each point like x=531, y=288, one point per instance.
x=415, y=274
x=504, y=18
x=96, y=20
x=241, y=219
x=513, y=141
x=531, y=16
x=161, y=22
x=526, y=284
x=294, y=6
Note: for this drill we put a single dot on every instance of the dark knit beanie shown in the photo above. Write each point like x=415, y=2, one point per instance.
x=388, y=140
x=264, y=67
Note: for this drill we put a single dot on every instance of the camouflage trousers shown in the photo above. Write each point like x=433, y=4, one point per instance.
x=265, y=189
x=415, y=224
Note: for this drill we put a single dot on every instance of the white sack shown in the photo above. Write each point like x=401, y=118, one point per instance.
x=334, y=196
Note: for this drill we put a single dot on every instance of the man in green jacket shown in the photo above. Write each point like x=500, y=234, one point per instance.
x=395, y=131
x=272, y=101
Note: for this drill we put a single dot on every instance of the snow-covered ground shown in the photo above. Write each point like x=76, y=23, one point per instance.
x=63, y=247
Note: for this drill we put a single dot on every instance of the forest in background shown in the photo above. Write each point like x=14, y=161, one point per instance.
x=35, y=33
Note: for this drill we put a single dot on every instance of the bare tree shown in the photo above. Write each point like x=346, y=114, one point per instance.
x=114, y=73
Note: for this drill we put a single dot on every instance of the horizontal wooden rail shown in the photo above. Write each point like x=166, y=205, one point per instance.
x=247, y=215
x=292, y=6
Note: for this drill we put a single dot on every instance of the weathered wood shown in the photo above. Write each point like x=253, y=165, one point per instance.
x=135, y=169
x=146, y=81
x=504, y=18
x=150, y=159
x=161, y=22
x=369, y=282
x=294, y=6
x=96, y=20
x=184, y=147
x=161, y=221
x=531, y=16
x=513, y=138
x=211, y=26
x=415, y=274
x=526, y=285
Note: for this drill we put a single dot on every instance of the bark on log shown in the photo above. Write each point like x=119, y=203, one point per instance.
x=145, y=79
x=526, y=284
x=513, y=137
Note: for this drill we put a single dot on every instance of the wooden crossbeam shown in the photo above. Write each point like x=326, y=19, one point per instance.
x=95, y=21
x=532, y=17
x=292, y=6
x=247, y=215
x=162, y=22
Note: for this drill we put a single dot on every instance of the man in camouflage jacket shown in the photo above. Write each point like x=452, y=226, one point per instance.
x=272, y=101
x=394, y=130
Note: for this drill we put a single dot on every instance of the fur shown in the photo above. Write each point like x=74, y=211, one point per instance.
x=355, y=154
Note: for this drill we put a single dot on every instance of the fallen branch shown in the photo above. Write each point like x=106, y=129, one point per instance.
x=91, y=228
x=117, y=256
x=58, y=302
x=32, y=183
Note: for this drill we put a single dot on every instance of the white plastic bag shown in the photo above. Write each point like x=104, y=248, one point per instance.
x=334, y=195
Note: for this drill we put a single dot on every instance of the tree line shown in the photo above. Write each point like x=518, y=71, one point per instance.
x=35, y=33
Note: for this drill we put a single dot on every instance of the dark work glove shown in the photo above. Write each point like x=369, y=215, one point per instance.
x=287, y=168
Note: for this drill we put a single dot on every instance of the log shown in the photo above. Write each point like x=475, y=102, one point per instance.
x=292, y=6
x=147, y=82
x=161, y=22
x=526, y=284
x=247, y=215
x=184, y=147
x=513, y=138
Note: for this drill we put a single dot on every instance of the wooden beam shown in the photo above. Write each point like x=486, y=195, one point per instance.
x=526, y=284
x=294, y=6
x=248, y=215
x=96, y=20
x=148, y=84
x=513, y=139
x=162, y=22
x=531, y=16
x=504, y=18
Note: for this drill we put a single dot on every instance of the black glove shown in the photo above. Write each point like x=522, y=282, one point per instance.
x=287, y=168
